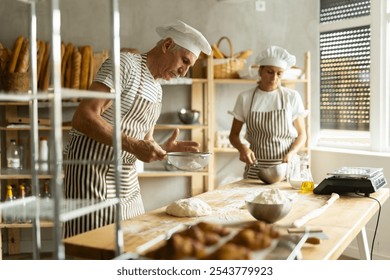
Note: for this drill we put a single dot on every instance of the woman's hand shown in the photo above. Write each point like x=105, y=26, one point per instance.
x=247, y=155
x=172, y=145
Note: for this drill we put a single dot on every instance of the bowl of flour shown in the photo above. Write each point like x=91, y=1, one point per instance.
x=269, y=206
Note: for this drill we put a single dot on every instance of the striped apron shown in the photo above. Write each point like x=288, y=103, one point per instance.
x=97, y=181
x=269, y=136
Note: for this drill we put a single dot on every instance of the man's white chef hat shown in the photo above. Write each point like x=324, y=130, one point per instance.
x=185, y=36
x=276, y=56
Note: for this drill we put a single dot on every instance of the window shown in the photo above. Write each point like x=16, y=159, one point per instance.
x=354, y=96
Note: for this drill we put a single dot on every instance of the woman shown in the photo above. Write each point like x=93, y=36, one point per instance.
x=274, y=116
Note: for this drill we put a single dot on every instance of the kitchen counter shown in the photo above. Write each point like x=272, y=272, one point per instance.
x=342, y=222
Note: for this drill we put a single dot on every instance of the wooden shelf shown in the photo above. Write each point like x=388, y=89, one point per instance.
x=28, y=128
x=43, y=224
x=225, y=150
x=23, y=174
x=163, y=173
x=180, y=126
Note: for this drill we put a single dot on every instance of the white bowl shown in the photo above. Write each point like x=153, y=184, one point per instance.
x=295, y=184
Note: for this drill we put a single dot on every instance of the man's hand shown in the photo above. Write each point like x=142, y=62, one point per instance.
x=172, y=145
x=147, y=150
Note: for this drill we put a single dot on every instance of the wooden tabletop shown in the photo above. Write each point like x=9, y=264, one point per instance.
x=341, y=222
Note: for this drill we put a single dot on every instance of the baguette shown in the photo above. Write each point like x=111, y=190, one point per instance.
x=68, y=71
x=85, y=58
x=41, y=54
x=76, y=66
x=24, y=57
x=216, y=52
x=45, y=75
x=15, y=53
x=243, y=54
x=68, y=52
x=91, y=70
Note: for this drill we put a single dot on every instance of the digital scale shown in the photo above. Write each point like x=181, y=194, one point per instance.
x=352, y=180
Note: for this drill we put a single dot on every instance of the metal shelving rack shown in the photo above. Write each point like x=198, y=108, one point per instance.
x=60, y=210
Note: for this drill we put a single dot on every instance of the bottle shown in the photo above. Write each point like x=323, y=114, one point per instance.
x=22, y=213
x=307, y=179
x=13, y=155
x=43, y=154
x=45, y=191
x=9, y=213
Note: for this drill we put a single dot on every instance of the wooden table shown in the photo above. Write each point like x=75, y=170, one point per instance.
x=342, y=222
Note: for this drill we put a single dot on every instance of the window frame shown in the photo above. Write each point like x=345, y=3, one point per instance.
x=377, y=139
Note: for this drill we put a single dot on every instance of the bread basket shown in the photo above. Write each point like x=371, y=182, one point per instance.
x=227, y=68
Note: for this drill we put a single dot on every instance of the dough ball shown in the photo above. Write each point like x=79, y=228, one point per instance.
x=188, y=207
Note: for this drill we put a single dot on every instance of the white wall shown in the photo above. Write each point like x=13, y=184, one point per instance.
x=326, y=160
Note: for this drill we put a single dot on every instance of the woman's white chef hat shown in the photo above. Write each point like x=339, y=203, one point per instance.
x=185, y=36
x=276, y=56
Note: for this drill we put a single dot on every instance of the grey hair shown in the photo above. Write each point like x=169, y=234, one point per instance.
x=175, y=47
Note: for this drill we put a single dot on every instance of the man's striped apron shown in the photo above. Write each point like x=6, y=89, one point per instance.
x=97, y=181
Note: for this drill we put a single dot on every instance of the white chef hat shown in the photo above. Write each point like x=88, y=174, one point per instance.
x=185, y=36
x=276, y=56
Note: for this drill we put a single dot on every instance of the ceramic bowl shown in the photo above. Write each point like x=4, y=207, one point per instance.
x=188, y=116
x=269, y=213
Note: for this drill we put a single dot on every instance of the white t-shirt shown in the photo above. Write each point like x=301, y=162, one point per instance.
x=265, y=101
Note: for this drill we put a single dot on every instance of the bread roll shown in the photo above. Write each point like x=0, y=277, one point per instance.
x=24, y=57
x=76, y=67
x=15, y=53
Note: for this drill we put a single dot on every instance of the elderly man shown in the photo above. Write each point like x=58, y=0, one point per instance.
x=141, y=95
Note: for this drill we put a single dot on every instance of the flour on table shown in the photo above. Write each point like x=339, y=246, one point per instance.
x=189, y=207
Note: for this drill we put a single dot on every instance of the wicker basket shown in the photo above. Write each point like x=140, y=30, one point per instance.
x=227, y=68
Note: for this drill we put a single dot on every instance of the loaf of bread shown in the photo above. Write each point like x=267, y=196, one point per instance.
x=15, y=53
x=85, y=65
x=65, y=59
x=216, y=52
x=23, y=62
x=5, y=56
x=91, y=70
x=43, y=83
x=76, y=68
x=243, y=54
x=40, y=56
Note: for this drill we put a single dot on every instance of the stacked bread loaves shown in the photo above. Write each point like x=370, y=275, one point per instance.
x=77, y=66
x=77, y=63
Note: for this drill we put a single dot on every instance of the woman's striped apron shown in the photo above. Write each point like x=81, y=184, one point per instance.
x=268, y=135
x=97, y=181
